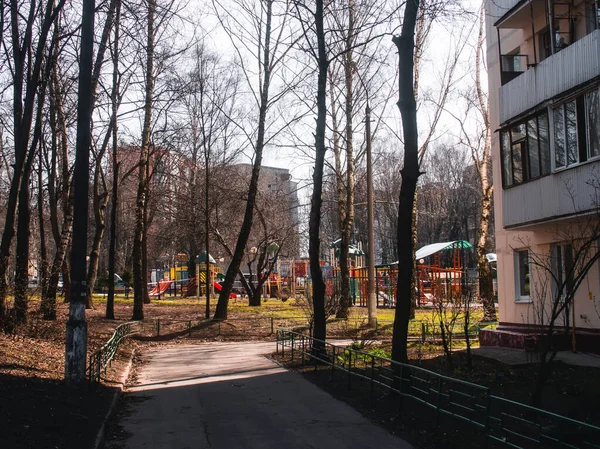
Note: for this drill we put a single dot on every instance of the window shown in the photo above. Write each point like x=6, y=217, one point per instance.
x=592, y=17
x=562, y=266
x=577, y=130
x=592, y=117
x=545, y=43
x=525, y=150
x=522, y=275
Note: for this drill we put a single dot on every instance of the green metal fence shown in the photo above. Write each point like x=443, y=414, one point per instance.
x=501, y=422
x=100, y=360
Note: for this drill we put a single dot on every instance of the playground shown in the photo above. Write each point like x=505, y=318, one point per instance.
x=442, y=272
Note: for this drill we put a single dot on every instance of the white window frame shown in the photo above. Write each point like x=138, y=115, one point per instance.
x=519, y=298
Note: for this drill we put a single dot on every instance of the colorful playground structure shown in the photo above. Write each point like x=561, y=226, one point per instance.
x=440, y=272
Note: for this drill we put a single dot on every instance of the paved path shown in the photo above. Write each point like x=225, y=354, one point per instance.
x=228, y=396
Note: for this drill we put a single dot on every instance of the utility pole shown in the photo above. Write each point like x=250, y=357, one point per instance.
x=372, y=298
x=76, y=340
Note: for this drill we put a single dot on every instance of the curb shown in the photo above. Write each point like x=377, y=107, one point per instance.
x=99, y=441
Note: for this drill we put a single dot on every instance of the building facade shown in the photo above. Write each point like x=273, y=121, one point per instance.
x=544, y=87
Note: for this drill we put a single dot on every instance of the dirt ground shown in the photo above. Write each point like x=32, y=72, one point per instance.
x=38, y=411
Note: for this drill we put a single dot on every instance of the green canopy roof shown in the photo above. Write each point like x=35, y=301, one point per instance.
x=428, y=250
x=202, y=258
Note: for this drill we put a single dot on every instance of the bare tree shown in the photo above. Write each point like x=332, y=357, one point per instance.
x=26, y=71
x=269, y=41
x=410, y=175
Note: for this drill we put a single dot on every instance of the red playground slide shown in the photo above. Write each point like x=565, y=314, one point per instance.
x=160, y=288
x=218, y=288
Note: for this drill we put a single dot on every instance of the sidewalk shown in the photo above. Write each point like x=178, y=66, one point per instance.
x=228, y=395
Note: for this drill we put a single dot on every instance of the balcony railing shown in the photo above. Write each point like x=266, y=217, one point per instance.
x=569, y=68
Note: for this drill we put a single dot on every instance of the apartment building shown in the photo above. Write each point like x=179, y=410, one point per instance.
x=544, y=86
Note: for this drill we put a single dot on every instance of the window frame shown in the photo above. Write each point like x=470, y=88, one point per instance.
x=520, y=296
x=561, y=254
x=508, y=146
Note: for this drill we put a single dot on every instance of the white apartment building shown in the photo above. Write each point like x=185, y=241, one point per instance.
x=544, y=86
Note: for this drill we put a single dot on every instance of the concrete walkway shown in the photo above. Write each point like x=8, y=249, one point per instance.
x=228, y=395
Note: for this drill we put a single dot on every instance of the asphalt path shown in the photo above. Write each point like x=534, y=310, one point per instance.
x=229, y=395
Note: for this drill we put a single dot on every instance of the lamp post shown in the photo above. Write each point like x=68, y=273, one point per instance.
x=372, y=296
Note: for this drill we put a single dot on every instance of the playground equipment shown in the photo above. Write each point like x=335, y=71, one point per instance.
x=160, y=288
x=444, y=275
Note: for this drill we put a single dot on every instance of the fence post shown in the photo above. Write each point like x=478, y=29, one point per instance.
x=272, y=326
x=158, y=327
x=293, y=338
x=189, y=328
x=349, y=368
x=423, y=332
x=372, y=375
x=332, y=363
x=437, y=405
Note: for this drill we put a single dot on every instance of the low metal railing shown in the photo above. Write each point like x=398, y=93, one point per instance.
x=501, y=422
x=101, y=359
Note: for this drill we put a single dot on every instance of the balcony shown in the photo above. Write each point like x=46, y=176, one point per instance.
x=548, y=198
x=513, y=66
x=572, y=66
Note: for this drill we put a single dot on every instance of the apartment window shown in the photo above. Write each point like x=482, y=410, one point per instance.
x=522, y=275
x=562, y=267
x=592, y=16
x=525, y=150
x=566, y=151
x=592, y=110
x=577, y=130
x=545, y=44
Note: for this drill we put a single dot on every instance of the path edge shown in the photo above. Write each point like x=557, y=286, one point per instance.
x=100, y=437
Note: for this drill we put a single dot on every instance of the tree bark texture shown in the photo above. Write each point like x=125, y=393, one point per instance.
x=410, y=176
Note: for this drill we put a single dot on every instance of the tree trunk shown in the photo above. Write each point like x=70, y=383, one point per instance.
x=348, y=220
x=62, y=236
x=110, y=301
x=100, y=198
x=24, y=219
x=234, y=266
x=410, y=176
x=139, y=277
x=76, y=338
x=486, y=283
x=314, y=242
x=22, y=251
x=24, y=97
x=43, y=277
